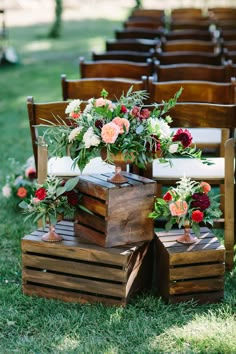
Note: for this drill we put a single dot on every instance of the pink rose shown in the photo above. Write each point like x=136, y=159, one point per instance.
x=178, y=208
x=101, y=102
x=36, y=200
x=121, y=122
x=110, y=132
x=205, y=187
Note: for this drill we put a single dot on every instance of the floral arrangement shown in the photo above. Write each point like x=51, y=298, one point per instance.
x=189, y=202
x=54, y=197
x=21, y=180
x=126, y=126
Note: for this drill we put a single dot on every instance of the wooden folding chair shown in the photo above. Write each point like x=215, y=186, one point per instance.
x=115, y=69
x=129, y=55
x=189, y=45
x=197, y=91
x=203, y=35
x=133, y=44
x=85, y=89
x=181, y=57
x=202, y=72
x=204, y=116
x=129, y=33
x=45, y=165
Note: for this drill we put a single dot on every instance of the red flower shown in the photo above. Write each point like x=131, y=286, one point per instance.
x=200, y=201
x=72, y=197
x=184, y=136
x=41, y=193
x=167, y=197
x=123, y=109
x=22, y=192
x=197, y=216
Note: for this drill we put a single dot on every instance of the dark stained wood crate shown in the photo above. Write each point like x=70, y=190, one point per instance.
x=75, y=272
x=185, y=272
x=120, y=212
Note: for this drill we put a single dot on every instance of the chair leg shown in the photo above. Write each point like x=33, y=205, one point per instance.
x=229, y=204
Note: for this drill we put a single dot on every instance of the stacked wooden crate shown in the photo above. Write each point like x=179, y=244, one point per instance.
x=105, y=256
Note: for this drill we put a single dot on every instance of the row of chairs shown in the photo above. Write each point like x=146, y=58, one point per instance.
x=182, y=18
x=135, y=70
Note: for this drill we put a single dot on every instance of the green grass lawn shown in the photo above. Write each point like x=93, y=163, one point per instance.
x=37, y=325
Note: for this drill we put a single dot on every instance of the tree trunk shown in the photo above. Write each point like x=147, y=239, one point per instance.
x=55, y=31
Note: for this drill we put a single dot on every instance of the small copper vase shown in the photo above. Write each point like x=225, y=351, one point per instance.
x=51, y=235
x=187, y=238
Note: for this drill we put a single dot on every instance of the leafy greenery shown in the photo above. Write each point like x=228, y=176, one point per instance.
x=36, y=325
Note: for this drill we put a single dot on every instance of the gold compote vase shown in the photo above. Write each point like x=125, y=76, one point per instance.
x=120, y=164
x=187, y=238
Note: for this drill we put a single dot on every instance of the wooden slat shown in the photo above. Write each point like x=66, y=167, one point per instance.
x=201, y=298
x=197, y=257
x=94, y=205
x=66, y=281
x=77, y=268
x=197, y=271
x=76, y=250
x=196, y=286
x=88, y=235
x=69, y=296
x=87, y=219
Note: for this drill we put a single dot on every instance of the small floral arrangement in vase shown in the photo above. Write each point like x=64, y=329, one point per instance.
x=125, y=130
x=54, y=198
x=20, y=181
x=188, y=204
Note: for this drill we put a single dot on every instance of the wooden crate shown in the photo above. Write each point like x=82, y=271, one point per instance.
x=120, y=212
x=76, y=272
x=185, y=272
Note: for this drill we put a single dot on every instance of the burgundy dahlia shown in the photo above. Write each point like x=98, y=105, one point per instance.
x=200, y=201
x=99, y=124
x=72, y=197
x=184, y=136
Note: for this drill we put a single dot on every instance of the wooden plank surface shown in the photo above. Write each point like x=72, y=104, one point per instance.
x=87, y=269
x=196, y=286
x=70, y=296
x=196, y=271
x=73, y=283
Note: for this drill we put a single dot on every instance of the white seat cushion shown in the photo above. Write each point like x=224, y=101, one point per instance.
x=205, y=135
x=62, y=166
x=191, y=168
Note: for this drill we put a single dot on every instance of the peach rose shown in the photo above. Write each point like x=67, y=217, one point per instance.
x=178, y=208
x=121, y=122
x=205, y=187
x=22, y=192
x=110, y=132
